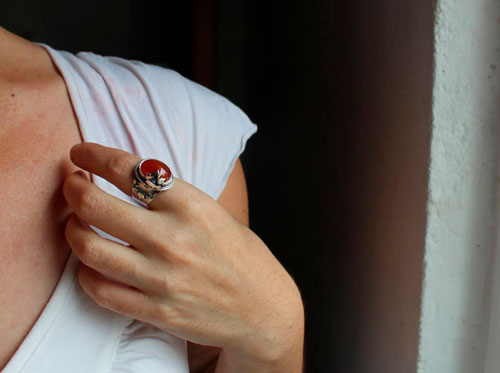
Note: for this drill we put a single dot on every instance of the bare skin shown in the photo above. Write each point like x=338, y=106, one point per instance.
x=37, y=129
x=35, y=106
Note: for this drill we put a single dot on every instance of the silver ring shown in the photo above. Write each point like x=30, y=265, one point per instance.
x=151, y=177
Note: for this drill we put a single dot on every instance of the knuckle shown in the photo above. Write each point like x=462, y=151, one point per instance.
x=119, y=166
x=88, y=252
x=157, y=312
x=164, y=313
x=160, y=250
x=194, y=206
x=160, y=282
x=149, y=308
x=125, y=307
x=101, y=294
x=123, y=265
x=179, y=240
x=198, y=213
x=87, y=203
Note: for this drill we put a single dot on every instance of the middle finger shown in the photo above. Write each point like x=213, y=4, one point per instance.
x=112, y=259
x=129, y=223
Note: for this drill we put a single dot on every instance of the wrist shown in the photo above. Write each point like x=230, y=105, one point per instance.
x=277, y=348
x=286, y=360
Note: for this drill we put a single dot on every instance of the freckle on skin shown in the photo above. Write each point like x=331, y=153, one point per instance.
x=13, y=95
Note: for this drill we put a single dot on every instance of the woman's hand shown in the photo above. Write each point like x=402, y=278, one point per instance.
x=189, y=269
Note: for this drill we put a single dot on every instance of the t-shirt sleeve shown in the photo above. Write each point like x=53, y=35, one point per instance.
x=193, y=129
x=221, y=131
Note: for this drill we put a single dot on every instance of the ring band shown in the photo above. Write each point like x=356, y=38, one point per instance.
x=151, y=177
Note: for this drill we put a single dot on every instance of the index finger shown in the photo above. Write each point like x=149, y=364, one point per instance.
x=117, y=166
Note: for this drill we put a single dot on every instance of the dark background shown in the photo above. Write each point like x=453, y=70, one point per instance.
x=337, y=173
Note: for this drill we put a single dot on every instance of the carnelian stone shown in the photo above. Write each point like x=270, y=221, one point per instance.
x=151, y=166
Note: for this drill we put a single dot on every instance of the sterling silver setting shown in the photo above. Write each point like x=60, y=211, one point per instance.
x=146, y=187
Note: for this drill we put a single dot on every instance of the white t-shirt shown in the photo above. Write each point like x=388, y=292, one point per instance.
x=154, y=113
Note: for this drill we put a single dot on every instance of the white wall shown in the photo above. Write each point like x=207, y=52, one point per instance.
x=463, y=188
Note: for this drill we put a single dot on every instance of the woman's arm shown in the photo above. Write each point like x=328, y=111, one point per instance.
x=234, y=197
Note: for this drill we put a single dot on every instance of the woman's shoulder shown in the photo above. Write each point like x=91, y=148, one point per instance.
x=156, y=112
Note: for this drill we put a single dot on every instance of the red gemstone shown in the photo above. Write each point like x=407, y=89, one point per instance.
x=150, y=166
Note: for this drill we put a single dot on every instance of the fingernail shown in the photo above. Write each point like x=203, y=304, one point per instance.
x=83, y=224
x=82, y=174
